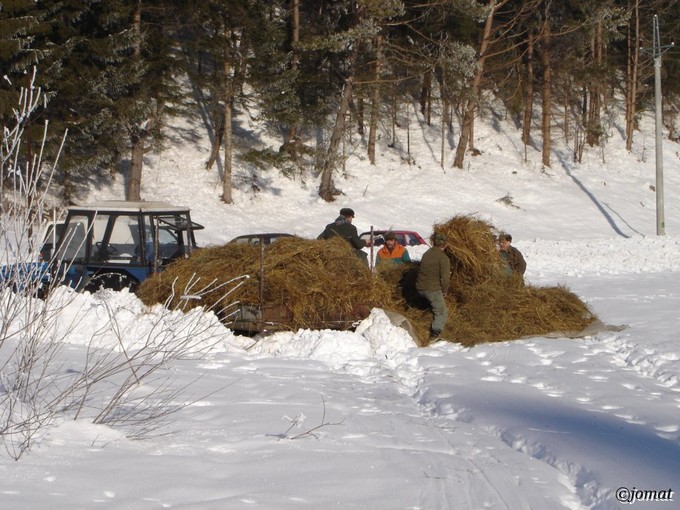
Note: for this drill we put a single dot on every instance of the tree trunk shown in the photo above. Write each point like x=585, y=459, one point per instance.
x=295, y=32
x=547, y=88
x=359, y=114
x=395, y=112
x=593, y=127
x=632, y=75
x=291, y=141
x=217, y=139
x=326, y=188
x=567, y=118
x=137, y=135
x=228, y=147
x=529, y=97
x=426, y=96
x=375, y=101
x=229, y=93
x=136, y=164
x=471, y=105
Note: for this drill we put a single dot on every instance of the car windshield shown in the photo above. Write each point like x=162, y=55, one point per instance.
x=259, y=238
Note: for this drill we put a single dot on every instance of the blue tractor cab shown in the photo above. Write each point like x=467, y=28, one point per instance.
x=117, y=244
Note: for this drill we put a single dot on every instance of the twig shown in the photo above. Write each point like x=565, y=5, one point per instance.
x=297, y=421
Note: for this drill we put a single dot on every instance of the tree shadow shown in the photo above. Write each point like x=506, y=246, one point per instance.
x=585, y=444
x=593, y=199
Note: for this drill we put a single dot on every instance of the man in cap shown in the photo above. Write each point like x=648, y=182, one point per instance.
x=392, y=252
x=342, y=227
x=432, y=282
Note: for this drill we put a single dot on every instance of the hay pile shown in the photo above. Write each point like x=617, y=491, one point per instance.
x=484, y=305
x=310, y=284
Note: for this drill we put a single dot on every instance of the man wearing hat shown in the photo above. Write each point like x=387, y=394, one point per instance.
x=432, y=282
x=392, y=252
x=342, y=227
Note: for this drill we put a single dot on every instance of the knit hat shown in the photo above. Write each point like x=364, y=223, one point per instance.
x=439, y=240
x=389, y=235
x=347, y=212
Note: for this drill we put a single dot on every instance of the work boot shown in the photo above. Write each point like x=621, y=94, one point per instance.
x=434, y=335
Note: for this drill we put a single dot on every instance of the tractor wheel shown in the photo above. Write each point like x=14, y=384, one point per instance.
x=113, y=281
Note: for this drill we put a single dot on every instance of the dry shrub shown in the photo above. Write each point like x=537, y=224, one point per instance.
x=309, y=283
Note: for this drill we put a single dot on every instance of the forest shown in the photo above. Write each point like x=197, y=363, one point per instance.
x=114, y=73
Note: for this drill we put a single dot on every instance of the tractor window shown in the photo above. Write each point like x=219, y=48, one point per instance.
x=170, y=241
x=73, y=247
x=52, y=235
x=116, y=238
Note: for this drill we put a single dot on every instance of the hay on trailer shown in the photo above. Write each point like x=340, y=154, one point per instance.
x=484, y=305
x=310, y=283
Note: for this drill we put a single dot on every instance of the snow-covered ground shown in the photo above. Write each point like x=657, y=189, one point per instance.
x=364, y=419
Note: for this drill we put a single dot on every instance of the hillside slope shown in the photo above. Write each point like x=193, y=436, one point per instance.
x=609, y=196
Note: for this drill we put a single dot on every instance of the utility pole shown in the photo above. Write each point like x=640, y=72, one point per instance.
x=657, y=51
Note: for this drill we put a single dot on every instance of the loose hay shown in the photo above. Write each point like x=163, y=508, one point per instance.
x=313, y=284
x=310, y=283
x=471, y=248
x=484, y=305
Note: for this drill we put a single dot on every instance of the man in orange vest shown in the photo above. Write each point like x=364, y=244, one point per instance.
x=392, y=251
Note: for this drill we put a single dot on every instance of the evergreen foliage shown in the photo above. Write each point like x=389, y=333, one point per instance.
x=113, y=71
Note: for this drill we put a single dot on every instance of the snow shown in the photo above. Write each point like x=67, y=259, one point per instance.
x=365, y=419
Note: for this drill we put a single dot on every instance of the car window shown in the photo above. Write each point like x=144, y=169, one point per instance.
x=271, y=239
x=255, y=239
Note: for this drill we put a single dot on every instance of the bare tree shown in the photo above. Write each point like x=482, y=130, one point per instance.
x=326, y=188
x=465, y=140
x=546, y=97
x=632, y=70
x=529, y=94
x=230, y=82
x=375, y=99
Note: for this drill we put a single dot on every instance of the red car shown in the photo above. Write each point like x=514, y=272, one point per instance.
x=257, y=239
x=403, y=237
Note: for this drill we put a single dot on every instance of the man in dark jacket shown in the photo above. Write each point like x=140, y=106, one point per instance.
x=342, y=227
x=513, y=260
x=432, y=282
